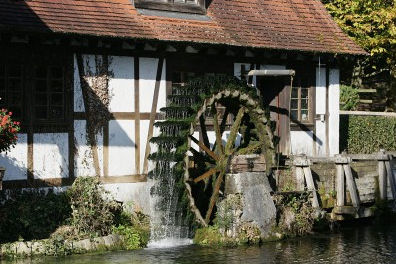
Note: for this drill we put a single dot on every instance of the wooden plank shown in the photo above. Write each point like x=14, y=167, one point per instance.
x=60, y=182
x=106, y=149
x=366, y=101
x=30, y=176
x=391, y=181
x=366, y=90
x=300, y=178
x=137, y=117
x=206, y=175
x=204, y=148
x=382, y=181
x=340, y=185
x=367, y=113
x=351, y=185
x=311, y=186
x=153, y=113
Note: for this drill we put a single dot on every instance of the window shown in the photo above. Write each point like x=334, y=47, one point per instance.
x=11, y=89
x=186, y=6
x=49, y=93
x=301, y=105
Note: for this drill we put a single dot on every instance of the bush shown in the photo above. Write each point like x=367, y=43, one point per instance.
x=92, y=213
x=349, y=98
x=31, y=215
x=367, y=134
x=8, y=130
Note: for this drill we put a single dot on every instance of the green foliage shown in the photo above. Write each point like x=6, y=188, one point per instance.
x=367, y=134
x=349, y=98
x=371, y=23
x=92, y=213
x=132, y=236
x=27, y=215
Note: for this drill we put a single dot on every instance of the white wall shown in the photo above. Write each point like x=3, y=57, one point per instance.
x=321, y=104
x=334, y=111
x=15, y=160
x=301, y=142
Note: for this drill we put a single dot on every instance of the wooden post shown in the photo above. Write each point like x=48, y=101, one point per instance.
x=382, y=179
x=351, y=186
x=311, y=186
x=340, y=183
x=300, y=178
x=391, y=180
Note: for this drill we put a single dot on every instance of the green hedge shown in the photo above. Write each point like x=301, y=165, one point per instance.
x=367, y=134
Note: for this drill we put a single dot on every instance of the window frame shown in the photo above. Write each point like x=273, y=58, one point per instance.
x=197, y=8
x=299, y=107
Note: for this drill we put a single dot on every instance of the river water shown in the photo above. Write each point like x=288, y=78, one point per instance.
x=373, y=243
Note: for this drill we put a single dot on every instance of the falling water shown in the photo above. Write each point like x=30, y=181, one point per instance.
x=167, y=225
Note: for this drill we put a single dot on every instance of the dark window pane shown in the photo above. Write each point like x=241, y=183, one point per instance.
x=14, y=71
x=41, y=112
x=56, y=86
x=57, y=99
x=14, y=98
x=14, y=84
x=294, y=114
x=56, y=112
x=304, y=115
x=304, y=93
x=294, y=93
x=304, y=104
x=41, y=99
x=41, y=85
x=294, y=104
x=2, y=70
x=41, y=72
x=2, y=84
x=56, y=72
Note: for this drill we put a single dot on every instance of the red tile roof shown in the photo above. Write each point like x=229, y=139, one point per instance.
x=280, y=24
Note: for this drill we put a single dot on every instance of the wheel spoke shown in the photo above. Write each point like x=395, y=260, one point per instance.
x=204, y=148
x=219, y=142
x=206, y=175
x=204, y=131
x=214, y=196
x=234, y=131
x=224, y=121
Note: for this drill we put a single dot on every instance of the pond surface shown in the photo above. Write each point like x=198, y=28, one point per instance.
x=357, y=244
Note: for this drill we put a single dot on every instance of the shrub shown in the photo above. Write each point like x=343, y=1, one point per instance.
x=32, y=214
x=92, y=213
x=349, y=97
x=367, y=134
x=8, y=130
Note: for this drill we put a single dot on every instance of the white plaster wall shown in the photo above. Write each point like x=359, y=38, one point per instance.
x=147, y=78
x=334, y=111
x=78, y=98
x=15, y=160
x=83, y=159
x=320, y=110
x=50, y=155
x=121, y=147
x=122, y=84
x=144, y=127
x=301, y=142
x=136, y=195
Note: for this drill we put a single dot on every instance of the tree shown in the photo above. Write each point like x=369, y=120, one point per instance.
x=371, y=23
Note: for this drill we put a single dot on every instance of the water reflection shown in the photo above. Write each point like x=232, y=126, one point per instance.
x=361, y=244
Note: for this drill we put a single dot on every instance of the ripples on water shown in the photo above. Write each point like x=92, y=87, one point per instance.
x=360, y=244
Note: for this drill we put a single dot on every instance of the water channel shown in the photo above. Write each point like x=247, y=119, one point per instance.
x=368, y=243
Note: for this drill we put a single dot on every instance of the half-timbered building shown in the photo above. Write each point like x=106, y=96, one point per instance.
x=113, y=63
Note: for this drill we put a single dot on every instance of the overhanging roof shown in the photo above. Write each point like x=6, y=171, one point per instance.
x=302, y=25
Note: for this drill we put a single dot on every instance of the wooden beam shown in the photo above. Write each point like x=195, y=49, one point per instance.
x=137, y=117
x=153, y=113
x=300, y=178
x=382, y=181
x=391, y=180
x=351, y=185
x=311, y=186
x=340, y=185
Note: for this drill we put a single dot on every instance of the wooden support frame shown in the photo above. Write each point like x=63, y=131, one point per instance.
x=303, y=171
x=344, y=169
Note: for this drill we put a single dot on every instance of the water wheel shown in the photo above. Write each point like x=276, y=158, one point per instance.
x=208, y=121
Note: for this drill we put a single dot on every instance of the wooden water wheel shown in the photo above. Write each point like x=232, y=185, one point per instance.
x=219, y=109
x=229, y=122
